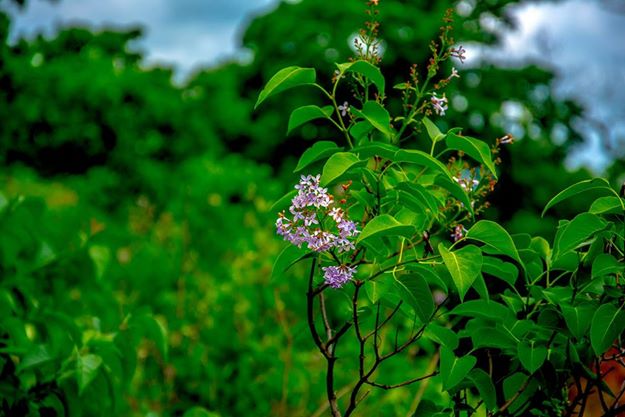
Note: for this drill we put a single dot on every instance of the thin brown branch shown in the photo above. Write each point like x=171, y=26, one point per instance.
x=401, y=384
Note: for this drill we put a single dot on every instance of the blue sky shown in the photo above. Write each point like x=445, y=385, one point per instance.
x=581, y=39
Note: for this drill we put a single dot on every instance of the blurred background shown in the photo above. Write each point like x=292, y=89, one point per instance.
x=137, y=181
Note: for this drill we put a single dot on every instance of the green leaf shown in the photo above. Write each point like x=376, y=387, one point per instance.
x=37, y=356
x=433, y=131
x=289, y=256
x=608, y=323
x=606, y=264
x=87, y=368
x=418, y=295
x=456, y=191
x=575, y=232
x=464, y=265
x=532, y=355
x=500, y=269
x=484, y=309
x=305, y=114
x=360, y=129
x=374, y=113
x=488, y=337
x=337, y=165
x=284, y=79
x=475, y=148
x=318, y=151
x=420, y=158
x=495, y=237
x=606, y=205
x=580, y=187
x=485, y=387
x=578, y=318
x=385, y=150
x=429, y=273
x=377, y=289
x=421, y=194
x=385, y=225
x=442, y=335
x=454, y=369
x=368, y=70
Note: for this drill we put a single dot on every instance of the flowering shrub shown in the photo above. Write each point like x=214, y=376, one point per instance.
x=512, y=324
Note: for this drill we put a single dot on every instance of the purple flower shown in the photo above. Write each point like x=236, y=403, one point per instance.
x=337, y=276
x=347, y=228
x=459, y=53
x=309, y=208
x=458, y=233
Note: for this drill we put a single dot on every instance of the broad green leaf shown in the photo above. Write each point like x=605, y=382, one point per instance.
x=429, y=273
x=541, y=247
x=318, y=151
x=37, y=356
x=489, y=337
x=442, y=335
x=580, y=187
x=575, y=232
x=421, y=194
x=607, y=324
x=360, y=129
x=464, y=265
x=532, y=355
x=384, y=150
x=289, y=256
x=337, y=165
x=423, y=159
x=378, y=116
x=433, y=131
x=456, y=191
x=484, y=384
x=484, y=309
x=606, y=205
x=475, y=148
x=454, y=369
x=578, y=318
x=377, y=289
x=606, y=264
x=367, y=69
x=495, y=237
x=284, y=79
x=385, y=225
x=500, y=269
x=479, y=285
x=305, y=114
x=87, y=368
x=419, y=295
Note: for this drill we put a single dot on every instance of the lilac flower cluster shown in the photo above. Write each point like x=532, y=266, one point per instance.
x=337, y=276
x=309, y=208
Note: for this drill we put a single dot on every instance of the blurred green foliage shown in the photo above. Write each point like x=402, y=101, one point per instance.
x=147, y=207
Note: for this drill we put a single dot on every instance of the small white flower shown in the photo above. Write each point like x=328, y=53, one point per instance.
x=439, y=104
x=344, y=108
x=454, y=74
